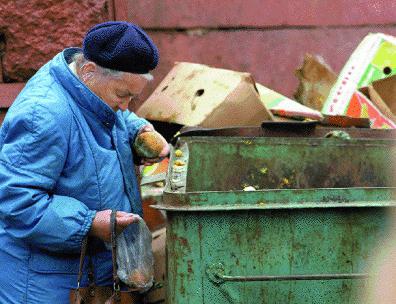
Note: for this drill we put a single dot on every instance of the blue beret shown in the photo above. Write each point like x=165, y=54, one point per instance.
x=120, y=46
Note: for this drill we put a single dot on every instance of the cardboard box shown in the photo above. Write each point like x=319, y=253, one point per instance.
x=283, y=106
x=198, y=95
x=383, y=94
x=316, y=78
x=154, y=173
x=362, y=107
x=373, y=59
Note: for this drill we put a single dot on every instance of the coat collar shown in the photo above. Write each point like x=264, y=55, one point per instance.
x=80, y=93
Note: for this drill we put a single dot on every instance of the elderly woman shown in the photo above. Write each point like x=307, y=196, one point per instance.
x=66, y=161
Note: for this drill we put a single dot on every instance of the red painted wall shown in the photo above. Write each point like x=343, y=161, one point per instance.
x=256, y=13
x=271, y=55
x=265, y=37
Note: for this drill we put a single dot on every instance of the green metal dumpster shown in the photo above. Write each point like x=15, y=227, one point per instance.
x=304, y=235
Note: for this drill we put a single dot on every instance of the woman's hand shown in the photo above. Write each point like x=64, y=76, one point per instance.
x=101, y=224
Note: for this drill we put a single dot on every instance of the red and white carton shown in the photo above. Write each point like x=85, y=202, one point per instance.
x=373, y=59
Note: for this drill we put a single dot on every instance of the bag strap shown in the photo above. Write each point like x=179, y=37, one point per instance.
x=116, y=279
x=84, y=247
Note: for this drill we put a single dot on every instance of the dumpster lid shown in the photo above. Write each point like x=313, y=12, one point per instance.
x=310, y=129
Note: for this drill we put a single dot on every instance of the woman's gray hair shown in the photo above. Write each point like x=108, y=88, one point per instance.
x=79, y=59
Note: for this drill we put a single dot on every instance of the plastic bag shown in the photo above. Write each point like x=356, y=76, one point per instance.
x=135, y=257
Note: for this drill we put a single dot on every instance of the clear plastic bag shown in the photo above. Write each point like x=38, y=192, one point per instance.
x=135, y=257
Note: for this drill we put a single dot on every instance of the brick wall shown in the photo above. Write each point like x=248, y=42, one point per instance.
x=32, y=32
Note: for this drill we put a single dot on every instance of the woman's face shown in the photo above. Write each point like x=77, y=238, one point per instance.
x=115, y=91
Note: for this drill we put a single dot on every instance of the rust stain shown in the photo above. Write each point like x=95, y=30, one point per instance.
x=189, y=266
x=183, y=242
x=182, y=289
x=200, y=232
x=238, y=240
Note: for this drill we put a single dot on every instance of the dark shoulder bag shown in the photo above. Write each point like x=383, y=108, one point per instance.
x=99, y=294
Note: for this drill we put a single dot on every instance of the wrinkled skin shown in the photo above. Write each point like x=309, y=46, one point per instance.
x=115, y=91
x=101, y=224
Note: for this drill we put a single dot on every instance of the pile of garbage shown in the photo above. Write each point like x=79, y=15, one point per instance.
x=195, y=95
x=362, y=95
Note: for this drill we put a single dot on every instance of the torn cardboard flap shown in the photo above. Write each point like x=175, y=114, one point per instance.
x=383, y=94
x=198, y=95
x=285, y=107
x=386, y=89
x=373, y=59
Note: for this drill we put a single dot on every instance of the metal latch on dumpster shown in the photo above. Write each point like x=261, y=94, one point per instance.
x=216, y=274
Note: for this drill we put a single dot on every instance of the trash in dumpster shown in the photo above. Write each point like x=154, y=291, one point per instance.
x=198, y=95
x=283, y=106
x=284, y=183
x=178, y=153
x=154, y=173
x=373, y=59
x=305, y=233
x=383, y=94
x=264, y=170
x=316, y=80
x=362, y=107
x=179, y=163
x=345, y=121
x=249, y=188
x=329, y=175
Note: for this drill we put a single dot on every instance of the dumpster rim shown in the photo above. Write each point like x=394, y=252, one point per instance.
x=276, y=199
x=379, y=204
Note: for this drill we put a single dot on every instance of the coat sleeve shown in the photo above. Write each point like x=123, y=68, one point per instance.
x=133, y=123
x=34, y=145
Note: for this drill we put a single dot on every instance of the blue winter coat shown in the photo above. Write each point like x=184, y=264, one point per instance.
x=64, y=154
